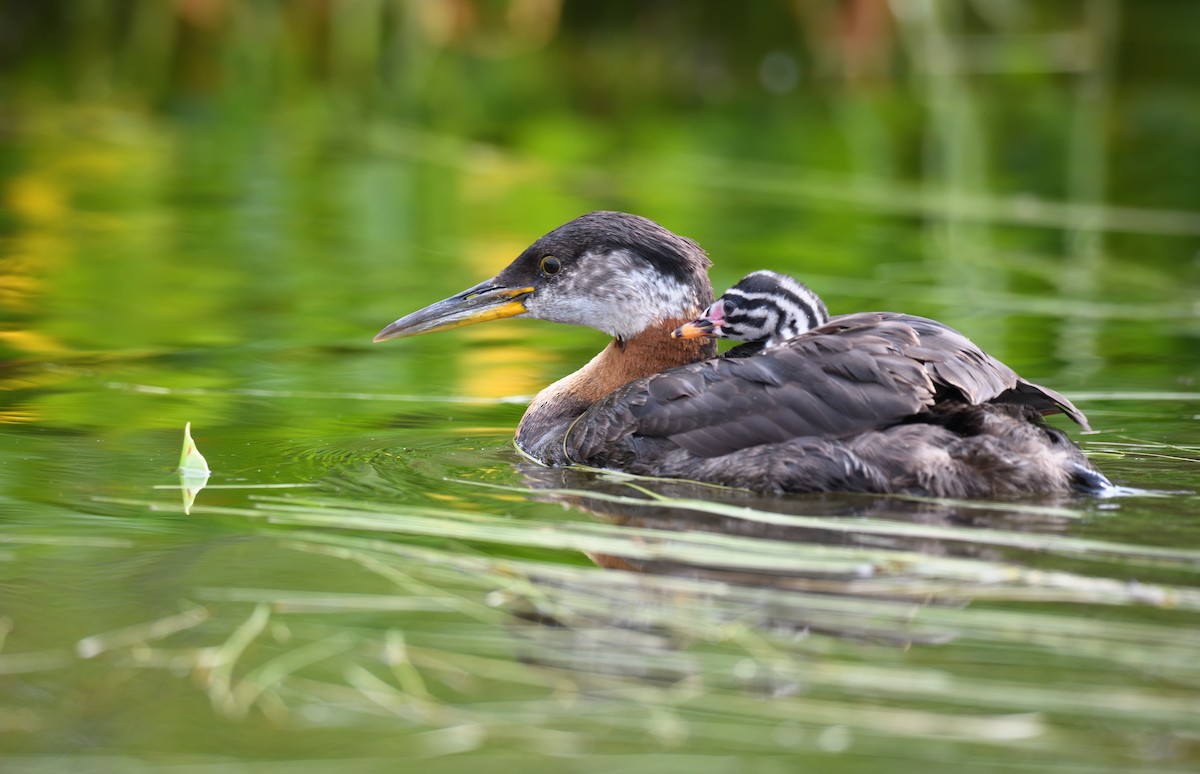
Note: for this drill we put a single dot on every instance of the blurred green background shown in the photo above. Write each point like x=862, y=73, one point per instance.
x=961, y=158
x=210, y=206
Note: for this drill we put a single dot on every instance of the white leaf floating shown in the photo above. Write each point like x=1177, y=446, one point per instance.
x=193, y=470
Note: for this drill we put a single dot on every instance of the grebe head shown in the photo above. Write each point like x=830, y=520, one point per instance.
x=618, y=273
x=763, y=306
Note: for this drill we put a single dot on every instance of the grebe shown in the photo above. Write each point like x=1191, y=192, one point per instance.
x=763, y=307
x=869, y=402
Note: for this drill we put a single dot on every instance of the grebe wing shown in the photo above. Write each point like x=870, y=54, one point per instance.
x=844, y=382
x=955, y=362
x=857, y=373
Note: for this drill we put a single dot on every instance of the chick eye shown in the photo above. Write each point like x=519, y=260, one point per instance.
x=550, y=265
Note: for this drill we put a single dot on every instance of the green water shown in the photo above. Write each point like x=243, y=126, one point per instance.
x=209, y=227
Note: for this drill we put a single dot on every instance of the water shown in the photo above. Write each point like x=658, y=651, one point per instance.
x=374, y=575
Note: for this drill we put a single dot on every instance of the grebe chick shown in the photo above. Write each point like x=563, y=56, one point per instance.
x=764, y=306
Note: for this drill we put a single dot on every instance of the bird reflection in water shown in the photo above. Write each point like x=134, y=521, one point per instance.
x=866, y=548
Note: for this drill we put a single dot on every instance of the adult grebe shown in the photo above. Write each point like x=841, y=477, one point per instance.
x=872, y=402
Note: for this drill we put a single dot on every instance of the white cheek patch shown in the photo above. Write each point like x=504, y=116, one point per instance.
x=618, y=293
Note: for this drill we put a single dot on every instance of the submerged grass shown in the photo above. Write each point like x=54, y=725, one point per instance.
x=1184, y=558
x=695, y=639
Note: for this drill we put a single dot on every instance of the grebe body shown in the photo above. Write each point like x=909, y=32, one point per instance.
x=868, y=402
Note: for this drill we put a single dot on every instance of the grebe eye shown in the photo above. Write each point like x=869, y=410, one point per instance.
x=550, y=265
